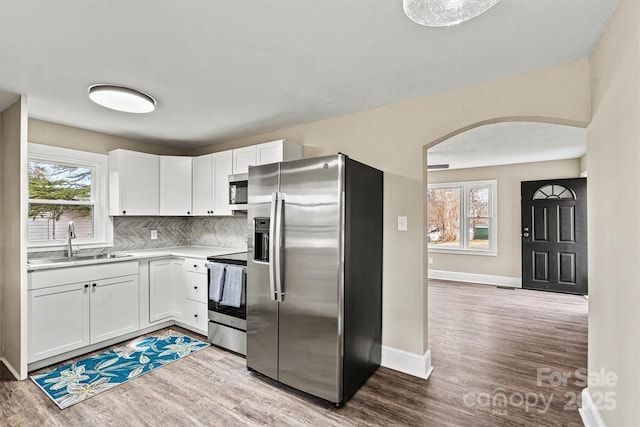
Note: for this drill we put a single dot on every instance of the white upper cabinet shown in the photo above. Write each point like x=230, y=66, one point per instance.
x=134, y=183
x=277, y=151
x=243, y=158
x=211, y=183
x=175, y=185
x=144, y=184
x=222, y=168
x=203, y=185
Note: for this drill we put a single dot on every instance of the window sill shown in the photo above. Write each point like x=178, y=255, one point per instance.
x=456, y=251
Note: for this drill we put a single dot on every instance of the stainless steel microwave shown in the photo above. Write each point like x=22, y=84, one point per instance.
x=238, y=191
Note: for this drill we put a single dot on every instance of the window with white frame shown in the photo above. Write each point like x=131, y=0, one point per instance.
x=67, y=185
x=462, y=217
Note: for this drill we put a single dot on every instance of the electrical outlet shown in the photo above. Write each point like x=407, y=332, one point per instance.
x=154, y=234
x=402, y=223
x=430, y=261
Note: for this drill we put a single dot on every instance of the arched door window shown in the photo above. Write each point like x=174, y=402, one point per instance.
x=554, y=191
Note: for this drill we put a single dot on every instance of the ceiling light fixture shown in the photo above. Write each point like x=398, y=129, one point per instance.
x=121, y=98
x=445, y=13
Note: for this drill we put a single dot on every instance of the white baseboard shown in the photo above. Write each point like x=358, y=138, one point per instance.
x=10, y=368
x=409, y=363
x=485, y=279
x=93, y=347
x=589, y=411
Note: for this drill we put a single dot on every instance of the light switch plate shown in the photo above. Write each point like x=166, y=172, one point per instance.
x=154, y=234
x=402, y=223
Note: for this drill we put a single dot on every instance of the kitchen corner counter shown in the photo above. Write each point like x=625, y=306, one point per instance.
x=198, y=252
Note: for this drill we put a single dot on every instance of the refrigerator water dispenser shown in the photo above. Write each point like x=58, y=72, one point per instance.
x=261, y=245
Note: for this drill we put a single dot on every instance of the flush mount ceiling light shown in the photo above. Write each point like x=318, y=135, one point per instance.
x=442, y=166
x=122, y=98
x=445, y=13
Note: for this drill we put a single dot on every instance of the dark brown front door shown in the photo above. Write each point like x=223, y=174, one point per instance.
x=554, y=235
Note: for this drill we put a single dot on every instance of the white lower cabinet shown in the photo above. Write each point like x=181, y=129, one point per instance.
x=179, y=291
x=114, y=307
x=73, y=307
x=196, y=295
x=58, y=320
x=196, y=316
x=165, y=293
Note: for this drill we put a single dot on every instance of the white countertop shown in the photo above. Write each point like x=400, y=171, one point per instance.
x=198, y=252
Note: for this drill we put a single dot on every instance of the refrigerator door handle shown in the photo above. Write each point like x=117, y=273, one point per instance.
x=278, y=250
x=272, y=247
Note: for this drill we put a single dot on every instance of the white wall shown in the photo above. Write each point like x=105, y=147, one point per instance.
x=1, y=247
x=47, y=133
x=392, y=138
x=14, y=217
x=613, y=157
x=507, y=263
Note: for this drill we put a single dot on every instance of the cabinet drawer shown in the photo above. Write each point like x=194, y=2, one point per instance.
x=197, y=288
x=61, y=276
x=195, y=315
x=195, y=265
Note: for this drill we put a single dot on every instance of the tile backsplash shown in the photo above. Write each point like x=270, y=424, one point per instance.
x=221, y=232
x=134, y=233
x=131, y=233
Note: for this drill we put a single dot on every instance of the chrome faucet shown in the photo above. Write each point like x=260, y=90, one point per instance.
x=71, y=234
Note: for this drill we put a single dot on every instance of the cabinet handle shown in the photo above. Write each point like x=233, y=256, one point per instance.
x=208, y=212
x=94, y=285
x=124, y=212
x=195, y=265
x=86, y=285
x=195, y=315
x=188, y=213
x=195, y=287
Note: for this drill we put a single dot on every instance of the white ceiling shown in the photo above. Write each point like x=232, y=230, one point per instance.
x=222, y=69
x=509, y=143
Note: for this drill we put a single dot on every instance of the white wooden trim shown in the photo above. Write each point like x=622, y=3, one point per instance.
x=589, y=411
x=514, y=282
x=409, y=363
x=10, y=368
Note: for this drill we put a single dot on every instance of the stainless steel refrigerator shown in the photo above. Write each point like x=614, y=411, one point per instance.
x=314, y=274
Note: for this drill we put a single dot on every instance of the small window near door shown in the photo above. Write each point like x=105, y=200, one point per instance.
x=462, y=217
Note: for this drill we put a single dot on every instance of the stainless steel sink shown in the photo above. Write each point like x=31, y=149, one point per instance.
x=77, y=258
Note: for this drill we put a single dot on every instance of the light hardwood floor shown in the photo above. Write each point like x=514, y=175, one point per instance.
x=484, y=341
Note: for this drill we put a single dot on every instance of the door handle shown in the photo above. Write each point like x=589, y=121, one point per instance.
x=526, y=234
x=272, y=247
x=278, y=252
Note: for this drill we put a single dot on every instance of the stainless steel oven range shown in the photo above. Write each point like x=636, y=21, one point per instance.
x=227, y=323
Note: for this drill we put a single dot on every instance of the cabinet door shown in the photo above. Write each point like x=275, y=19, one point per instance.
x=160, y=290
x=270, y=152
x=203, y=185
x=195, y=315
x=243, y=158
x=179, y=288
x=134, y=183
x=114, y=307
x=58, y=320
x=222, y=168
x=175, y=185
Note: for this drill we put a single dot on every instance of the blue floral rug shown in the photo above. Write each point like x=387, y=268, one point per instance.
x=75, y=382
